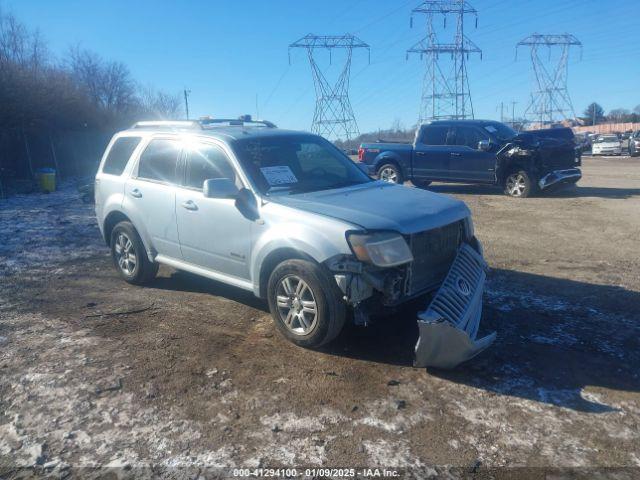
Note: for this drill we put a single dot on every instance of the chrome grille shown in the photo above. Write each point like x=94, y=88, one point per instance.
x=460, y=290
x=433, y=252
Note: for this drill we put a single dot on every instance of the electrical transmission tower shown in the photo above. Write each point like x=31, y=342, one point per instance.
x=333, y=116
x=550, y=98
x=445, y=91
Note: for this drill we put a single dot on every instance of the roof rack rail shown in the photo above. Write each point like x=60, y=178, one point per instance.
x=243, y=121
x=177, y=124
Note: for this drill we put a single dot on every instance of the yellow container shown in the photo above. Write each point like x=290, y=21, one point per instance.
x=48, y=181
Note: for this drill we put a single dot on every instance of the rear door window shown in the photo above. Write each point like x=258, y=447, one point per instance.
x=434, y=135
x=159, y=161
x=119, y=155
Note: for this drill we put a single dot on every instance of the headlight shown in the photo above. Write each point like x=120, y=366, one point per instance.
x=382, y=249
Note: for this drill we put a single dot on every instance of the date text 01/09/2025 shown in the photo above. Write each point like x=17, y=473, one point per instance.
x=315, y=472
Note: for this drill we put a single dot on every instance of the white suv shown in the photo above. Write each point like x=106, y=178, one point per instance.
x=288, y=216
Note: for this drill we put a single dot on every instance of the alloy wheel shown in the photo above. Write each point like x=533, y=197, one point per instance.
x=125, y=254
x=296, y=305
x=516, y=184
x=389, y=175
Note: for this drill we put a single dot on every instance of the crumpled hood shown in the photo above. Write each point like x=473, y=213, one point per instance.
x=381, y=206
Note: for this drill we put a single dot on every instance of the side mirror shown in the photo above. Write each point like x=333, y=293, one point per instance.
x=219, y=188
x=484, y=145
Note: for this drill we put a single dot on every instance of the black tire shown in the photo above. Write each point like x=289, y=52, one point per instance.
x=391, y=173
x=421, y=183
x=143, y=271
x=633, y=153
x=520, y=184
x=330, y=308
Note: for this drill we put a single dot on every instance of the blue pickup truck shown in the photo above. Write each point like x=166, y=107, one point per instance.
x=478, y=151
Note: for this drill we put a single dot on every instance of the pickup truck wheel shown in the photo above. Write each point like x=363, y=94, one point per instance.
x=390, y=173
x=519, y=184
x=305, y=303
x=129, y=255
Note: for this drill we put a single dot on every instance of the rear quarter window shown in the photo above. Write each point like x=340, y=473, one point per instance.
x=434, y=135
x=119, y=155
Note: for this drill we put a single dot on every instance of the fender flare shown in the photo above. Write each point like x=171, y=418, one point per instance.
x=280, y=249
x=387, y=157
x=506, y=163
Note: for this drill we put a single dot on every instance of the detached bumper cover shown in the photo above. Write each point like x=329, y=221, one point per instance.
x=448, y=328
x=572, y=175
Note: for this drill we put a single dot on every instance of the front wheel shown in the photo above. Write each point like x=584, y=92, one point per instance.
x=519, y=184
x=305, y=303
x=390, y=173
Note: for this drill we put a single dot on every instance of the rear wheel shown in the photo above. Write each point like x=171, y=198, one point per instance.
x=305, y=303
x=390, y=173
x=129, y=255
x=519, y=184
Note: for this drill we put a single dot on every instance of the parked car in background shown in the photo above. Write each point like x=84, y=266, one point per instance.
x=583, y=142
x=606, y=144
x=287, y=216
x=634, y=144
x=624, y=140
x=478, y=151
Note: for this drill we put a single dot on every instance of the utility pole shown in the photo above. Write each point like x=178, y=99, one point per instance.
x=502, y=112
x=445, y=91
x=186, y=101
x=550, y=98
x=333, y=117
x=513, y=113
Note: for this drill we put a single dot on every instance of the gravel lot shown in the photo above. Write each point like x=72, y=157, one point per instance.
x=190, y=373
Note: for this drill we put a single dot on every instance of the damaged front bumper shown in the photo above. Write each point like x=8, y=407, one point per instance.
x=560, y=177
x=449, y=326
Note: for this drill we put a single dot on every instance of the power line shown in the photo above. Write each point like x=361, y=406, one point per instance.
x=333, y=116
x=445, y=92
x=550, y=98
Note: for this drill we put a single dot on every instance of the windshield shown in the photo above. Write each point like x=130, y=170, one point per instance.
x=607, y=138
x=501, y=131
x=296, y=164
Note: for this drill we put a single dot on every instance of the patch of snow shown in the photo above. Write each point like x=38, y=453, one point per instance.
x=39, y=231
x=386, y=454
x=289, y=421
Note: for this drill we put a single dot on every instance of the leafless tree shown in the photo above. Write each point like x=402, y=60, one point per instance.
x=618, y=114
x=108, y=84
x=160, y=105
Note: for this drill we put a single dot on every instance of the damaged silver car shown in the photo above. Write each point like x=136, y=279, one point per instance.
x=289, y=217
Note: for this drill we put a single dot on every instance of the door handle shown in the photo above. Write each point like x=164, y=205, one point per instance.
x=420, y=153
x=189, y=205
x=454, y=154
x=136, y=193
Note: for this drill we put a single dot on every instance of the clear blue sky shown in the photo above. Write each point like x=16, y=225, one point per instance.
x=228, y=51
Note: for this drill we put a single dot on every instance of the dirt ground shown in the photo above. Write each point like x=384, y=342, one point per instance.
x=190, y=373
